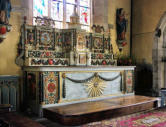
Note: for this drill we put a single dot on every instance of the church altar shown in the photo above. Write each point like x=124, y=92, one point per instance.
x=66, y=66
x=53, y=86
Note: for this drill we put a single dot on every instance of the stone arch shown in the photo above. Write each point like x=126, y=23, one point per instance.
x=159, y=56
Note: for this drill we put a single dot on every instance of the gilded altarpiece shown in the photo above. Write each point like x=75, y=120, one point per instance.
x=45, y=38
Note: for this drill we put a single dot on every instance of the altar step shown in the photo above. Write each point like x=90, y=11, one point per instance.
x=81, y=113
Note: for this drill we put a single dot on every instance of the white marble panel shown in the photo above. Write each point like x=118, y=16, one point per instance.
x=109, y=74
x=79, y=76
x=113, y=87
x=76, y=91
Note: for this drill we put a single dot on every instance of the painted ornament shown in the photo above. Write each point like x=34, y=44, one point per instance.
x=3, y=30
x=51, y=87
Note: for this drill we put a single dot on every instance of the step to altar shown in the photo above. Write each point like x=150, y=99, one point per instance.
x=81, y=113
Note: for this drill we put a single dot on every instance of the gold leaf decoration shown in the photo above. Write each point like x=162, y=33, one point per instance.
x=95, y=87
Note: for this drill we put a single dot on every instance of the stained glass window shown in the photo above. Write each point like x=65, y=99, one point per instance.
x=69, y=11
x=57, y=10
x=71, y=1
x=84, y=3
x=84, y=15
x=61, y=10
x=40, y=8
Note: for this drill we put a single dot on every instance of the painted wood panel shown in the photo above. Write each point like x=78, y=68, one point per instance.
x=9, y=91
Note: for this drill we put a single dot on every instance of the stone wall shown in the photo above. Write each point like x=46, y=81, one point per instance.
x=100, y=13
x=8, y=48
x=146, y=15
x=147, y=48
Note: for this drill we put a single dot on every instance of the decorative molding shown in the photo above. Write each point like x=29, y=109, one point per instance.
x=76, y=69
x=45, y=21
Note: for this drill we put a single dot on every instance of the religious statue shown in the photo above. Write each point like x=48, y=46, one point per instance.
x=121, y=26
x=5, y=9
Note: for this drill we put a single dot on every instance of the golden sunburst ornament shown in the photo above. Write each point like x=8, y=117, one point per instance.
x=95, y=87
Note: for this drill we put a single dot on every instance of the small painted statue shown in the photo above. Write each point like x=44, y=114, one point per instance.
x=5, y=9
x=121, y=24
